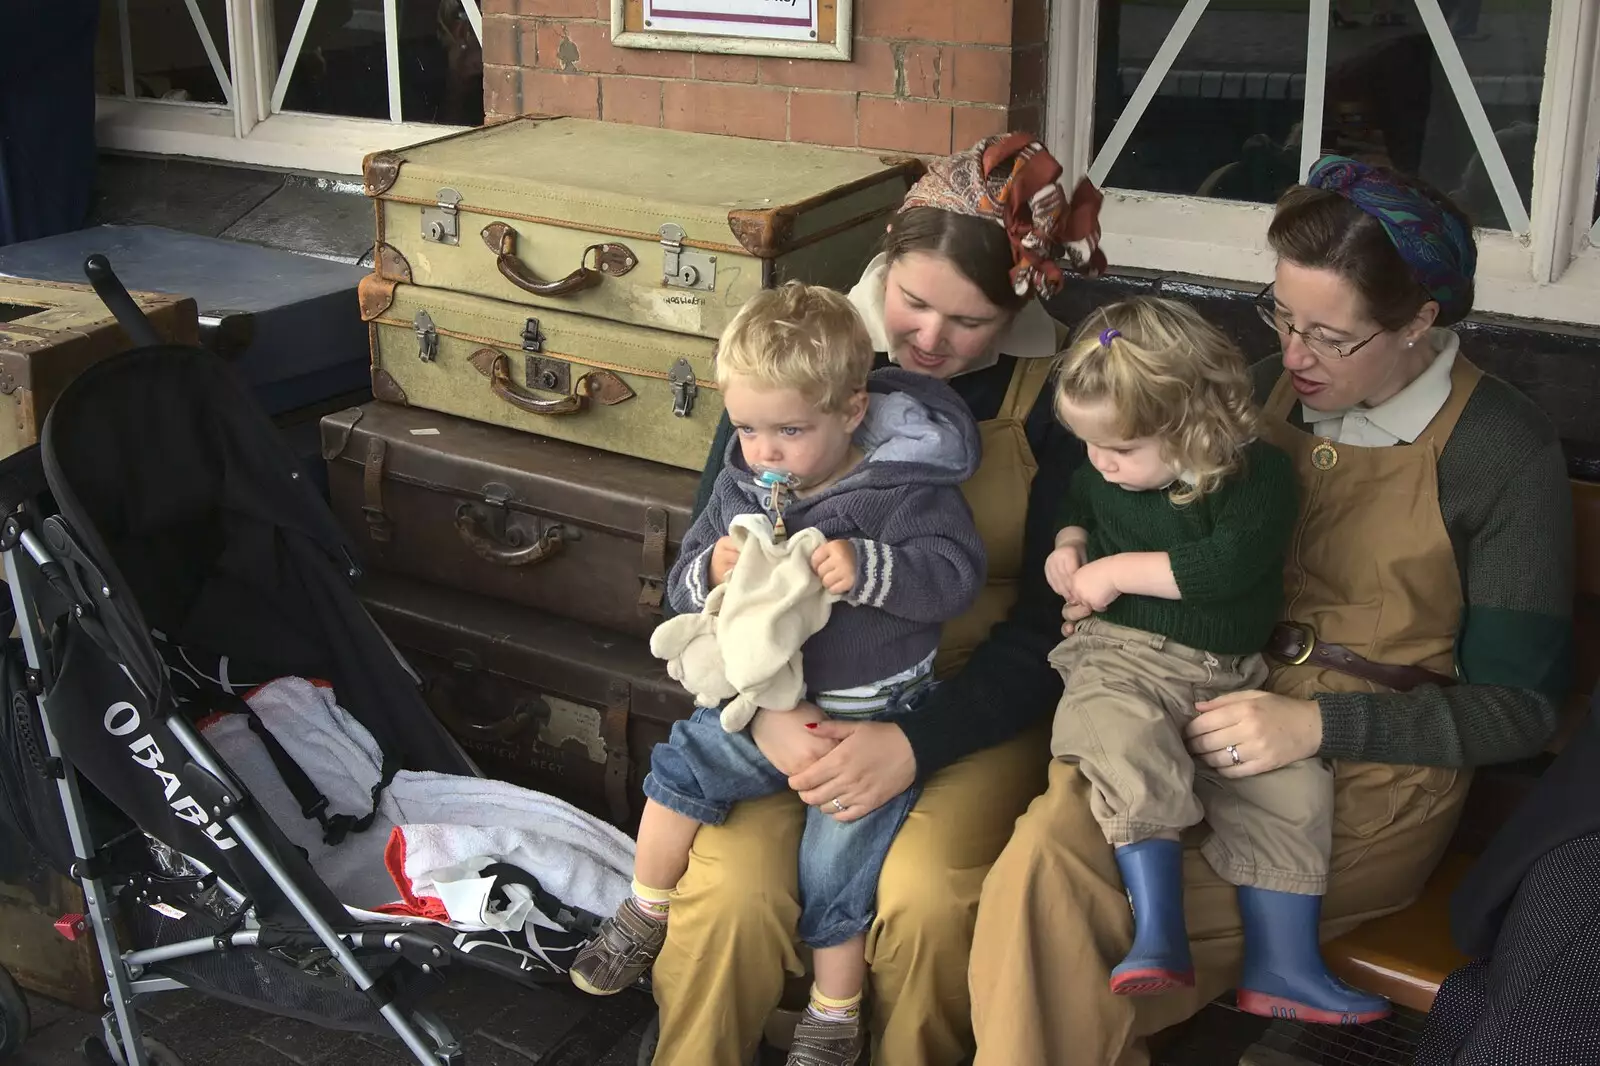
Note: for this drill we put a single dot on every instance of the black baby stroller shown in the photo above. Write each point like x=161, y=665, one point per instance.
x=162, y=551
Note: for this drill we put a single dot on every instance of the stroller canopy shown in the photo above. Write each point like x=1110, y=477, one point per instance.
x=211, y=565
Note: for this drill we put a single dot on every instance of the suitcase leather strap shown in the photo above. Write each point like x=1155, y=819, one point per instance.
x=614, y=732
x=653, y=564
x=378, y=524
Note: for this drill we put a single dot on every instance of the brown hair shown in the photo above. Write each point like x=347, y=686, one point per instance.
x=1322, y=230
x=975, y=246
x=1167, y=373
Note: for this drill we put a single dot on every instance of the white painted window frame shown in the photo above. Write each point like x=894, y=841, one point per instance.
x=1548, y=267
x=252, y=128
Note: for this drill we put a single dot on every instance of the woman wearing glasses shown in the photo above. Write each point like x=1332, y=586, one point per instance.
x=1428, y=595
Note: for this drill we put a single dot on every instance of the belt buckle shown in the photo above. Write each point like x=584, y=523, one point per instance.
x=1308, y=637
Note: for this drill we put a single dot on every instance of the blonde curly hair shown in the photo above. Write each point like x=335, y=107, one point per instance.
x=797, y=336
x=1167, y=373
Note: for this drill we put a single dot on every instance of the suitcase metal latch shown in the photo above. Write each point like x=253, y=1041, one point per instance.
x=684, y=387
x=551, y=375
x=427, y=337
x=441, y=223
x=685, y=268
x=532, y=336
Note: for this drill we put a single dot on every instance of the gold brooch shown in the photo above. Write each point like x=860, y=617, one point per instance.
x=1325, y=456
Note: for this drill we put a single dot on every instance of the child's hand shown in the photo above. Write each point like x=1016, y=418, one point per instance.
x=723, y=556
x=1094, y=584
x=1059, y=568
x=835, y=564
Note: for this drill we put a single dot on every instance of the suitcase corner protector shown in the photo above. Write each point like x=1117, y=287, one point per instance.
x=387, y=389
x=388, y=262
x=764, y=233
x=379, y=171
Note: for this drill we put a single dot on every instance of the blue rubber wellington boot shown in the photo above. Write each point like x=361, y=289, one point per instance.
x=1159, y=959
x=1284, y=975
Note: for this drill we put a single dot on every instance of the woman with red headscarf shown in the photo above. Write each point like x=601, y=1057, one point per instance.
x=954, y=295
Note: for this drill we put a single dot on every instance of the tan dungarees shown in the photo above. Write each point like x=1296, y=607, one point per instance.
x=1371, y=566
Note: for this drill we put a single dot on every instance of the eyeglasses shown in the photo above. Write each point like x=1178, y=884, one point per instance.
x=1323, y=347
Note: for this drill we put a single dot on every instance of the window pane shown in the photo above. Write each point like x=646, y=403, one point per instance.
x=169, y=60
x=1238, y=81
x=342, y=68
x=1226, y=121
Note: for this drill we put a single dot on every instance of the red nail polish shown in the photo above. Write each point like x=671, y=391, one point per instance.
x=811, y=725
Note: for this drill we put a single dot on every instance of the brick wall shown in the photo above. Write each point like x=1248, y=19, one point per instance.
x=928, y=76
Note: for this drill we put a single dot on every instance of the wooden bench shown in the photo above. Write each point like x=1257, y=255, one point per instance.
x=1407, y=955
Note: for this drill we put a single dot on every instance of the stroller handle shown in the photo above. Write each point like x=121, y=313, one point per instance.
x=110, y=289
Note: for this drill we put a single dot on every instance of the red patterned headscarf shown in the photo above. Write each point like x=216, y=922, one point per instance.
x=1015, y=181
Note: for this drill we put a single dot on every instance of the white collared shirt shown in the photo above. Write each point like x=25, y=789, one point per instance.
x=1403, y=416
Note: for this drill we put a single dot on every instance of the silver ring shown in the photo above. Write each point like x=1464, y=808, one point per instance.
x=1233, y=753
x=837, y=805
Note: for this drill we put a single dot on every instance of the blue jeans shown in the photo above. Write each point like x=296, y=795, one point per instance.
x=703, y=770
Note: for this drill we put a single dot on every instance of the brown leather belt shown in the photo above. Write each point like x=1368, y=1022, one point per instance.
x=1295, y=643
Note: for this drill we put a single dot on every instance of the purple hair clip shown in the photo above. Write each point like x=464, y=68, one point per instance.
x=1106, y=335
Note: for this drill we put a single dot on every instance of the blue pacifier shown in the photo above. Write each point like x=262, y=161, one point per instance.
x=778, y=485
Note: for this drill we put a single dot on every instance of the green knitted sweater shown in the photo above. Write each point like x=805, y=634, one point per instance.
x=1505, y=500
x=1226, y=550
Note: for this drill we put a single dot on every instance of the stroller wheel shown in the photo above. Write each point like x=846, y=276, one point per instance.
x=94, y=1053
x=14, y=1018
x=160, y=1054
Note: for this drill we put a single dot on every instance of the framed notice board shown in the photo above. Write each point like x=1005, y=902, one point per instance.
x=794, y=29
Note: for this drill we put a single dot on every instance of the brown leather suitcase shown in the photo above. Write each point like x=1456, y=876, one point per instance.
x=557, y=526
x=535, y=699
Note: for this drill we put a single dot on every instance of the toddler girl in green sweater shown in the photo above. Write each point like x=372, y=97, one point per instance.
x=1170, y=558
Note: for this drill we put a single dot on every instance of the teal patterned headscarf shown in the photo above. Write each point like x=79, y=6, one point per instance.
x=1432, y=241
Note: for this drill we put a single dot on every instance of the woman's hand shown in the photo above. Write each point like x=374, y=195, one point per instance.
x=1266, y=729
x=784, y=739
x=872, y=764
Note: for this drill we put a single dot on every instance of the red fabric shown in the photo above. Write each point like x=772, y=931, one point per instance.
x=411, y=904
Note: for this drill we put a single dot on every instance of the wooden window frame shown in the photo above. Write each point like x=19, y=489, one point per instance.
x=1547, y=267
x=252, y=128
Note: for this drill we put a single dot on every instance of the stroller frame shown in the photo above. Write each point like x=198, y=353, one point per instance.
x=68, y=601
x=422, y=1032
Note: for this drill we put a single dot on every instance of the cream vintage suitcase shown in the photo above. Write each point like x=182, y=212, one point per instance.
x=647, y=393
x=651, y=227
x=569, y=278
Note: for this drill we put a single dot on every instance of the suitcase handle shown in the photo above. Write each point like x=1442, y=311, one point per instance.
x=521, y=717
x=611, y=258
x=502, y=551
x=495, y=366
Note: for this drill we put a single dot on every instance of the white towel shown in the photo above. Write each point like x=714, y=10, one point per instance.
x=446, y=827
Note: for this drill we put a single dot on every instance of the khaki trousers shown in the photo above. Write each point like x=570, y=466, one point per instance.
x=1055, y=919
x=731, y=936
x=1129, y=695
